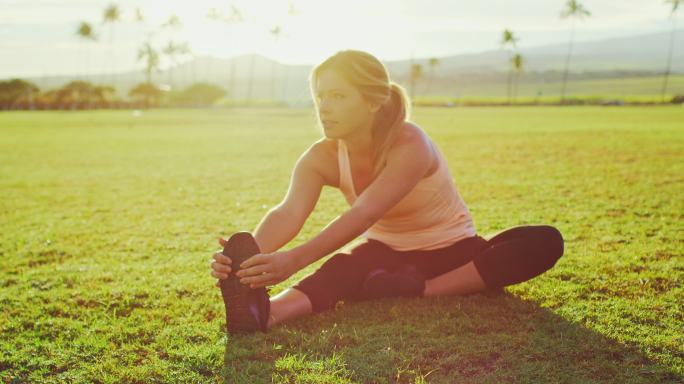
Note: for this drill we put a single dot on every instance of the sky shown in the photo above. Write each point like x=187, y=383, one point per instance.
x=37, y=37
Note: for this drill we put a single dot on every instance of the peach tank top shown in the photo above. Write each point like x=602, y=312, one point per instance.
x=431, y=216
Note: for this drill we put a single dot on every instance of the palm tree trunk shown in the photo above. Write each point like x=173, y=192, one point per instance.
x=274, y=95
x=231, y=84
x=510, y=80
x=251, y=79
x=669, y=60
x=567, y=61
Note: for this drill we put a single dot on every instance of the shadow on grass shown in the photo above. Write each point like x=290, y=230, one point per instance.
x=494, y=337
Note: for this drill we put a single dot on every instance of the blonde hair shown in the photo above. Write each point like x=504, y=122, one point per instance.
x=371, y=78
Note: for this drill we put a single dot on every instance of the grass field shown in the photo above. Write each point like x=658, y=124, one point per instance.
x=634, y=89
x=109, y=221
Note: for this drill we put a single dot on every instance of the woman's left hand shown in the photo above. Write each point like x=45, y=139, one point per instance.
x=265, y=269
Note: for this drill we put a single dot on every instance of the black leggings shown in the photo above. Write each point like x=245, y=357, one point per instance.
x=512, y=256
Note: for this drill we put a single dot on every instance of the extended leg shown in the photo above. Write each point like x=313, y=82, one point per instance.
x=288, y=304
x=515, y=255
x=460, y=281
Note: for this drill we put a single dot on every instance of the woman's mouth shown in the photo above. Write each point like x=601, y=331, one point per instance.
x=329, y=123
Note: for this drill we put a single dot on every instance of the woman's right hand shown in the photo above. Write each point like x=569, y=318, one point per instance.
x=221, y=264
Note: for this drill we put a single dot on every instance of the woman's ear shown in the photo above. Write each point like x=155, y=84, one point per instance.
x=374, y=107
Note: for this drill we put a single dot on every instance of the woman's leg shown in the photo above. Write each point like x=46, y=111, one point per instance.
x=341, y=276
x=460, y=281
x=288, y=304
x=512, y=256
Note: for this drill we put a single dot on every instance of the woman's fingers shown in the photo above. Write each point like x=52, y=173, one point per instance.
x=219, y=275
x=264, y=277
x=221, y=258
x=253, y=271
x=222, y=241
x=264, y=284
x=218, y=267
x=259, y=258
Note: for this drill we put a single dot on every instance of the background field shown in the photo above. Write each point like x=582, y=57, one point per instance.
x=108, y=221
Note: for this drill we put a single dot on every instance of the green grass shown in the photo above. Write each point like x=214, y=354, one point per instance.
x=646, y=88
x=109, y=221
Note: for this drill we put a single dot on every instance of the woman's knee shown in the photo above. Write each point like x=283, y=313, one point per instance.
x=552, y=242
x=337, y=262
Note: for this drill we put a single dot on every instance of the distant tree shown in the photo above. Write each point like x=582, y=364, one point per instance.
x=575, y=11
x=276, y=32
x=675, y=5
x=291, y=9
x=517, y=65
x=199, y=94
x=141, y=26
x=151, y=58
x=432, y=63
x=146, y=94
x=86, y=33
x=80, y=94
x=233, y=18
x=172, y=25
x=416, y=73
x=111, y=16
x=173, y=50
x=509, y=38
x=17, y=93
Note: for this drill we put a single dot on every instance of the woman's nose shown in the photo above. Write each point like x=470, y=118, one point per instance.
x=323, y=106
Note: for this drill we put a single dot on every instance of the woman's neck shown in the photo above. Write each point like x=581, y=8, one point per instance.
x=360, y=144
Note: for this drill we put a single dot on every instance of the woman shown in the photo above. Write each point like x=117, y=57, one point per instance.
x=421, y=240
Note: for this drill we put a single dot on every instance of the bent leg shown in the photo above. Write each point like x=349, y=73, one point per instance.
x=512, y=256
x=519, y=254
x=342, y=275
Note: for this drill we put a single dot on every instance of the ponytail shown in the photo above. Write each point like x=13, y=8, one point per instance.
x=388, y=123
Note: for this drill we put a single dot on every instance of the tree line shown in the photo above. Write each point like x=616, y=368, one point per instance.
x=78, y=94
x=572, y=10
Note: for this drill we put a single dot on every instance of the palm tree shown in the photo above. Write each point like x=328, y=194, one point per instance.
x=111, y=16
x=432, y=63
x=291, y=9
x=172, y=50
x=416, y=73
x=675, y=6
x=140, y=22
x=151, y=57
x=509, y=38
x=235, y=17
x=86, y=32
x=276, y=33
x=575, y=11
x=517, y=65
x=173, y=24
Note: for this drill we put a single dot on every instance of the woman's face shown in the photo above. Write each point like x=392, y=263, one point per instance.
x=342, y=110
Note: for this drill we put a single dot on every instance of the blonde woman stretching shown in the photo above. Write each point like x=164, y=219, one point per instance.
x=420, y=238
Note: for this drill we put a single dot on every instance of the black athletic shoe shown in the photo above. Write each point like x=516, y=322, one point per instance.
x=406, y=281
x=247, y=309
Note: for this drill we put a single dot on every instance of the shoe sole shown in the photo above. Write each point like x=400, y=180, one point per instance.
x=237, y=296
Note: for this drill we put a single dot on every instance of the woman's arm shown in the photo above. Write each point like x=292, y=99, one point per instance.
x=406, y=164
x=284, y=221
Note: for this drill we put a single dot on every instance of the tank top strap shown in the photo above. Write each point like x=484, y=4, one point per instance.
x=346, y=183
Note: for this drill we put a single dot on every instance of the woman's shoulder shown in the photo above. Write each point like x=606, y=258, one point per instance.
x=324, y=148
x=324, y=154
x=419, y=143
x=413, y=135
